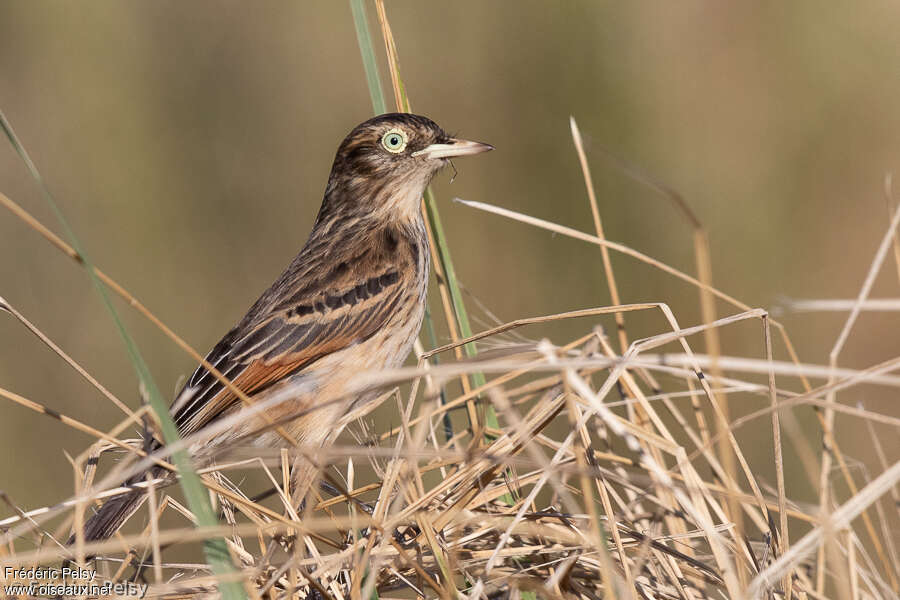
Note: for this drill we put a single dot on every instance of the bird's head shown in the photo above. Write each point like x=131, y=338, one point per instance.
x=386, y=163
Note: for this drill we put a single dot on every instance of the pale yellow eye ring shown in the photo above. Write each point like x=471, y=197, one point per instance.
x=394, y=141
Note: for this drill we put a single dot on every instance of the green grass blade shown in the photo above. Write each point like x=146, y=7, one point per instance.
x=368, y=56
x=443, y=249
x=456, y=299
x=216, y=551
x=459, y=310
x=367, y=50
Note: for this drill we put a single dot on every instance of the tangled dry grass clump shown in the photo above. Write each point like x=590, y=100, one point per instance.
x=602, y=467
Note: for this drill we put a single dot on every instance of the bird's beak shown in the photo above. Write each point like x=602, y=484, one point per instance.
x=452, y=148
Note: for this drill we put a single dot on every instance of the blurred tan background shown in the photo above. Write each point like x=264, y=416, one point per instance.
x=189, y=143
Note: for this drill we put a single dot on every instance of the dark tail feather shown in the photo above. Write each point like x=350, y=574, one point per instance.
x=115, y=511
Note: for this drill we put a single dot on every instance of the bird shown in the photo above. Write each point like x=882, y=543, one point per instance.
x=352, y=300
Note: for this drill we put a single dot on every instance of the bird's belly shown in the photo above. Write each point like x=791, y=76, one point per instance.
x=315, y=405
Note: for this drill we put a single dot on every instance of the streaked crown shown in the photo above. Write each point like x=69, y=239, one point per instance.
x=387, y=162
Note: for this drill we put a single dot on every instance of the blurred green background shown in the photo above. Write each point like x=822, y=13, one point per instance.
x=189, y=144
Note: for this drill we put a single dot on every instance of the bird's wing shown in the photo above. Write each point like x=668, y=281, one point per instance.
x=331, y=309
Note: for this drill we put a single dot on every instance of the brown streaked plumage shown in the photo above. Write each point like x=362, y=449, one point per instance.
x=352, y=300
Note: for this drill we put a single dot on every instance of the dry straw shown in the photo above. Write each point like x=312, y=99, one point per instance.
x=603, y=467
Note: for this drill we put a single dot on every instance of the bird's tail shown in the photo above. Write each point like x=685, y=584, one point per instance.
x=115, y=511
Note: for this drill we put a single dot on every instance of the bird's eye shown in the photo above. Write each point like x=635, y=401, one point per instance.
x=394, y=141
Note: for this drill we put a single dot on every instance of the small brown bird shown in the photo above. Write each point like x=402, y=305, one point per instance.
x=352, y=300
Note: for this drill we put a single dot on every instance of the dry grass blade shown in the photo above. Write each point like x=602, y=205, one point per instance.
x=4, y=305
x=836, y=521
x=568, y=231
x=828, y=419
